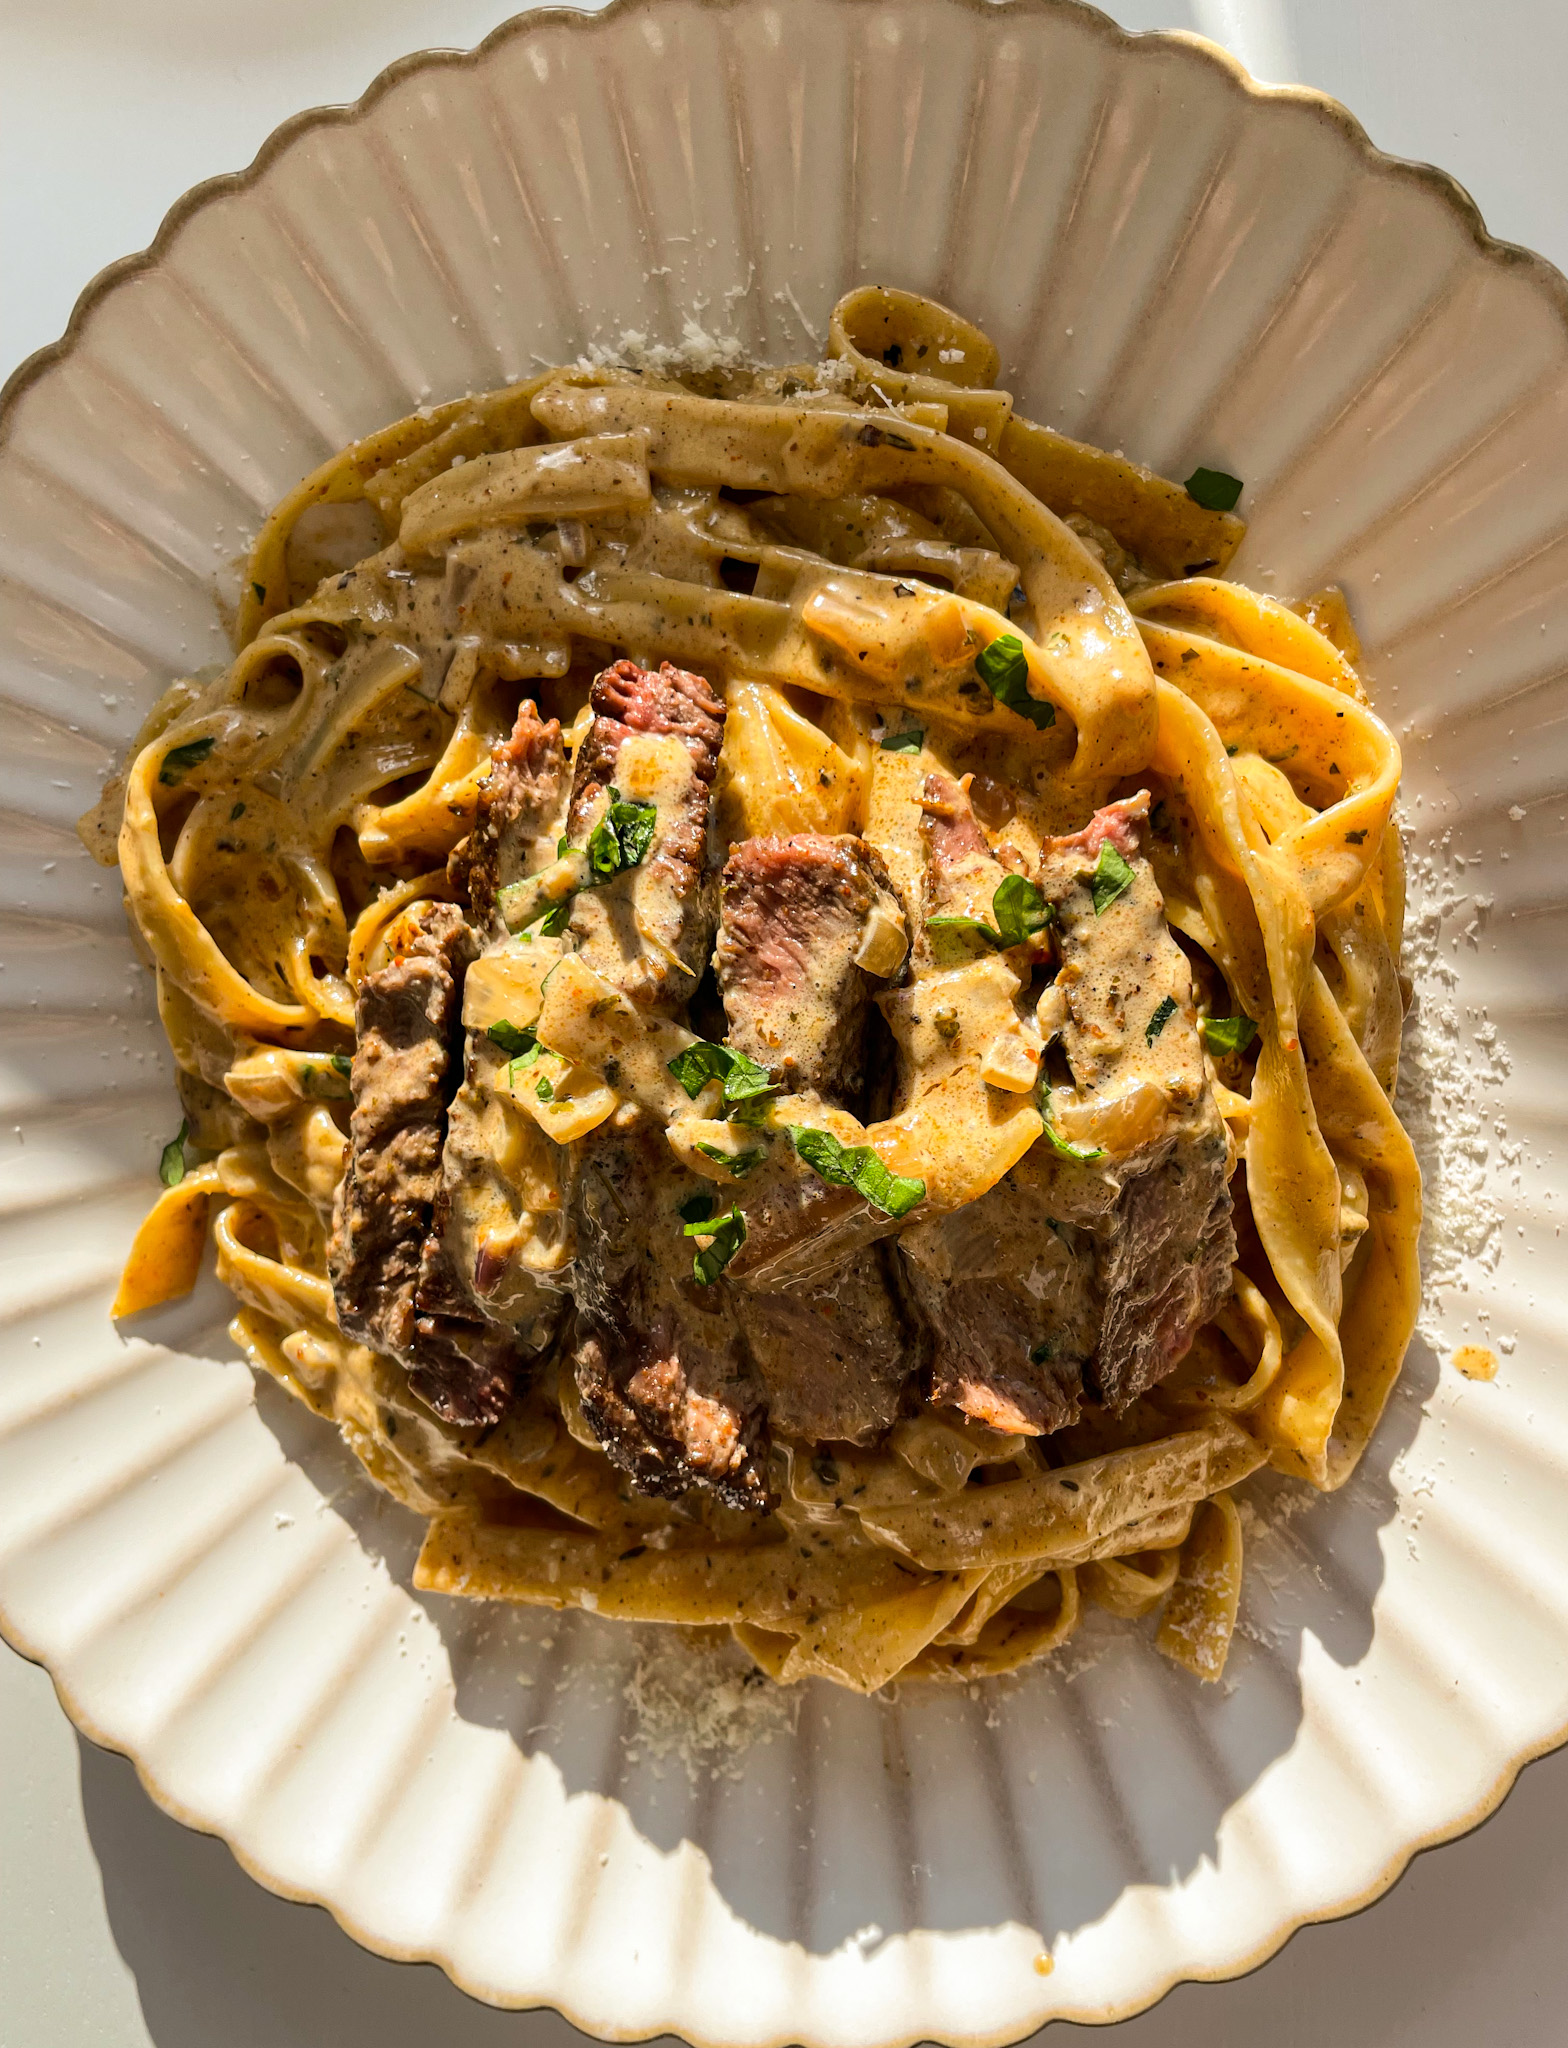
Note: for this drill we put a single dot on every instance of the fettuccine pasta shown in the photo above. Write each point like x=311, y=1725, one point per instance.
x=787, y=1005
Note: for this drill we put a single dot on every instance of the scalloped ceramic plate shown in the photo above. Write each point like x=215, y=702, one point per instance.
x=1173, y=262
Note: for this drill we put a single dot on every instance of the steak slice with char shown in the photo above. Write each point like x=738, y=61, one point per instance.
x=833, y=1353
x=794, y=911
x=1008, y=1298
x=660, y=1364
x=497, y=1246
x=650, y=928
x=404, y=1069
x=516, y=816
x=660, y=1367
x=1130, y=1034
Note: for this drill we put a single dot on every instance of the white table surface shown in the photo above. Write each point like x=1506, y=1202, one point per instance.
x=119, y=1929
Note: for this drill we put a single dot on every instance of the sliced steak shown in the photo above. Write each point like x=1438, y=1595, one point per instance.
x=832, y=1353
x=1141, y=1092
x=402, y=1075
x=498, y=1246
x=794, y=912
x=650, y=928
x=660, y=1367
x=1005, y=1288
x=516, y=817
x=660, y=1363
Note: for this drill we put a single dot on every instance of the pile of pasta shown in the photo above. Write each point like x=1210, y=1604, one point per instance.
x=273, y=822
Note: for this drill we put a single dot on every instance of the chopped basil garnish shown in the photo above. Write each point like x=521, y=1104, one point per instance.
x=178, y=760
x=1112, y=877
x=1060, y=1145
x=1018, y=907
x=1228, y=1034
x=551, y=918
x=239, y=809
x=1214, y=491
x=1004, y=669
x=544, y=1091
x=1043, y=1352
x=744, y=1081
x=521, y=1041
x=260, y=590
x=909, y=741
x=171, y=1161
x=328, y=1080
x=695, y=1207
x=726, y=1235
x=512, y=1038
x=1161, y=1017
x=734, y=1163
x=621, y=838
x=977, y=925
x=857, y=1167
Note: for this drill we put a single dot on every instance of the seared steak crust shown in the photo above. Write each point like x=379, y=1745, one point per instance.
x=627, y=699
x=403, y=1073
x=659, y=1364
x=1163, y=1259
x=792, y=915
x=518, y=801
x=833, y=1353
x=651, y=928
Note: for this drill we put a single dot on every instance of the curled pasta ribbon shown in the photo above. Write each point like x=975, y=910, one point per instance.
x=180, y=942
x=1085, y=639
x=1200, y=1615
x=165, y=1256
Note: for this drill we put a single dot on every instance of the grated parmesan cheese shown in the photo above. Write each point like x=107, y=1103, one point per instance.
x=1451, y=1066
x=697, y=1698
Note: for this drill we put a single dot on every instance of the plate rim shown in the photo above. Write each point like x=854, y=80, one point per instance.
x=1462, y=208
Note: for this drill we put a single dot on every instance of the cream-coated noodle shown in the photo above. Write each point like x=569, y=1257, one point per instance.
x=786, y=1006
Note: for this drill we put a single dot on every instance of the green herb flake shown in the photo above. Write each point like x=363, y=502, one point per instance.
x=1004, y=669
x=734, y=1163
x=967, y=925
x=695, y=1208
x=1213, y=490
x=1060, y=1145
x=725, y=1234
x=857, y=1167
x=342, y=1064
x=1043, y=1352
x=1019, y=909
x=1112, y=878
x=744, y=1081
x=909, y=741
x=552, y=919
x=1228, y=1034
x=621, y=838
x=1161, y=1017
x=178, y=761
x=237, y=812
x=544, y=1091
x=515, y=1039
x=171, y=1160
x=259, y=591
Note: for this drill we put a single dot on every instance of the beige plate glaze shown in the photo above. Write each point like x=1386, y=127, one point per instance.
x=1174, y=262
